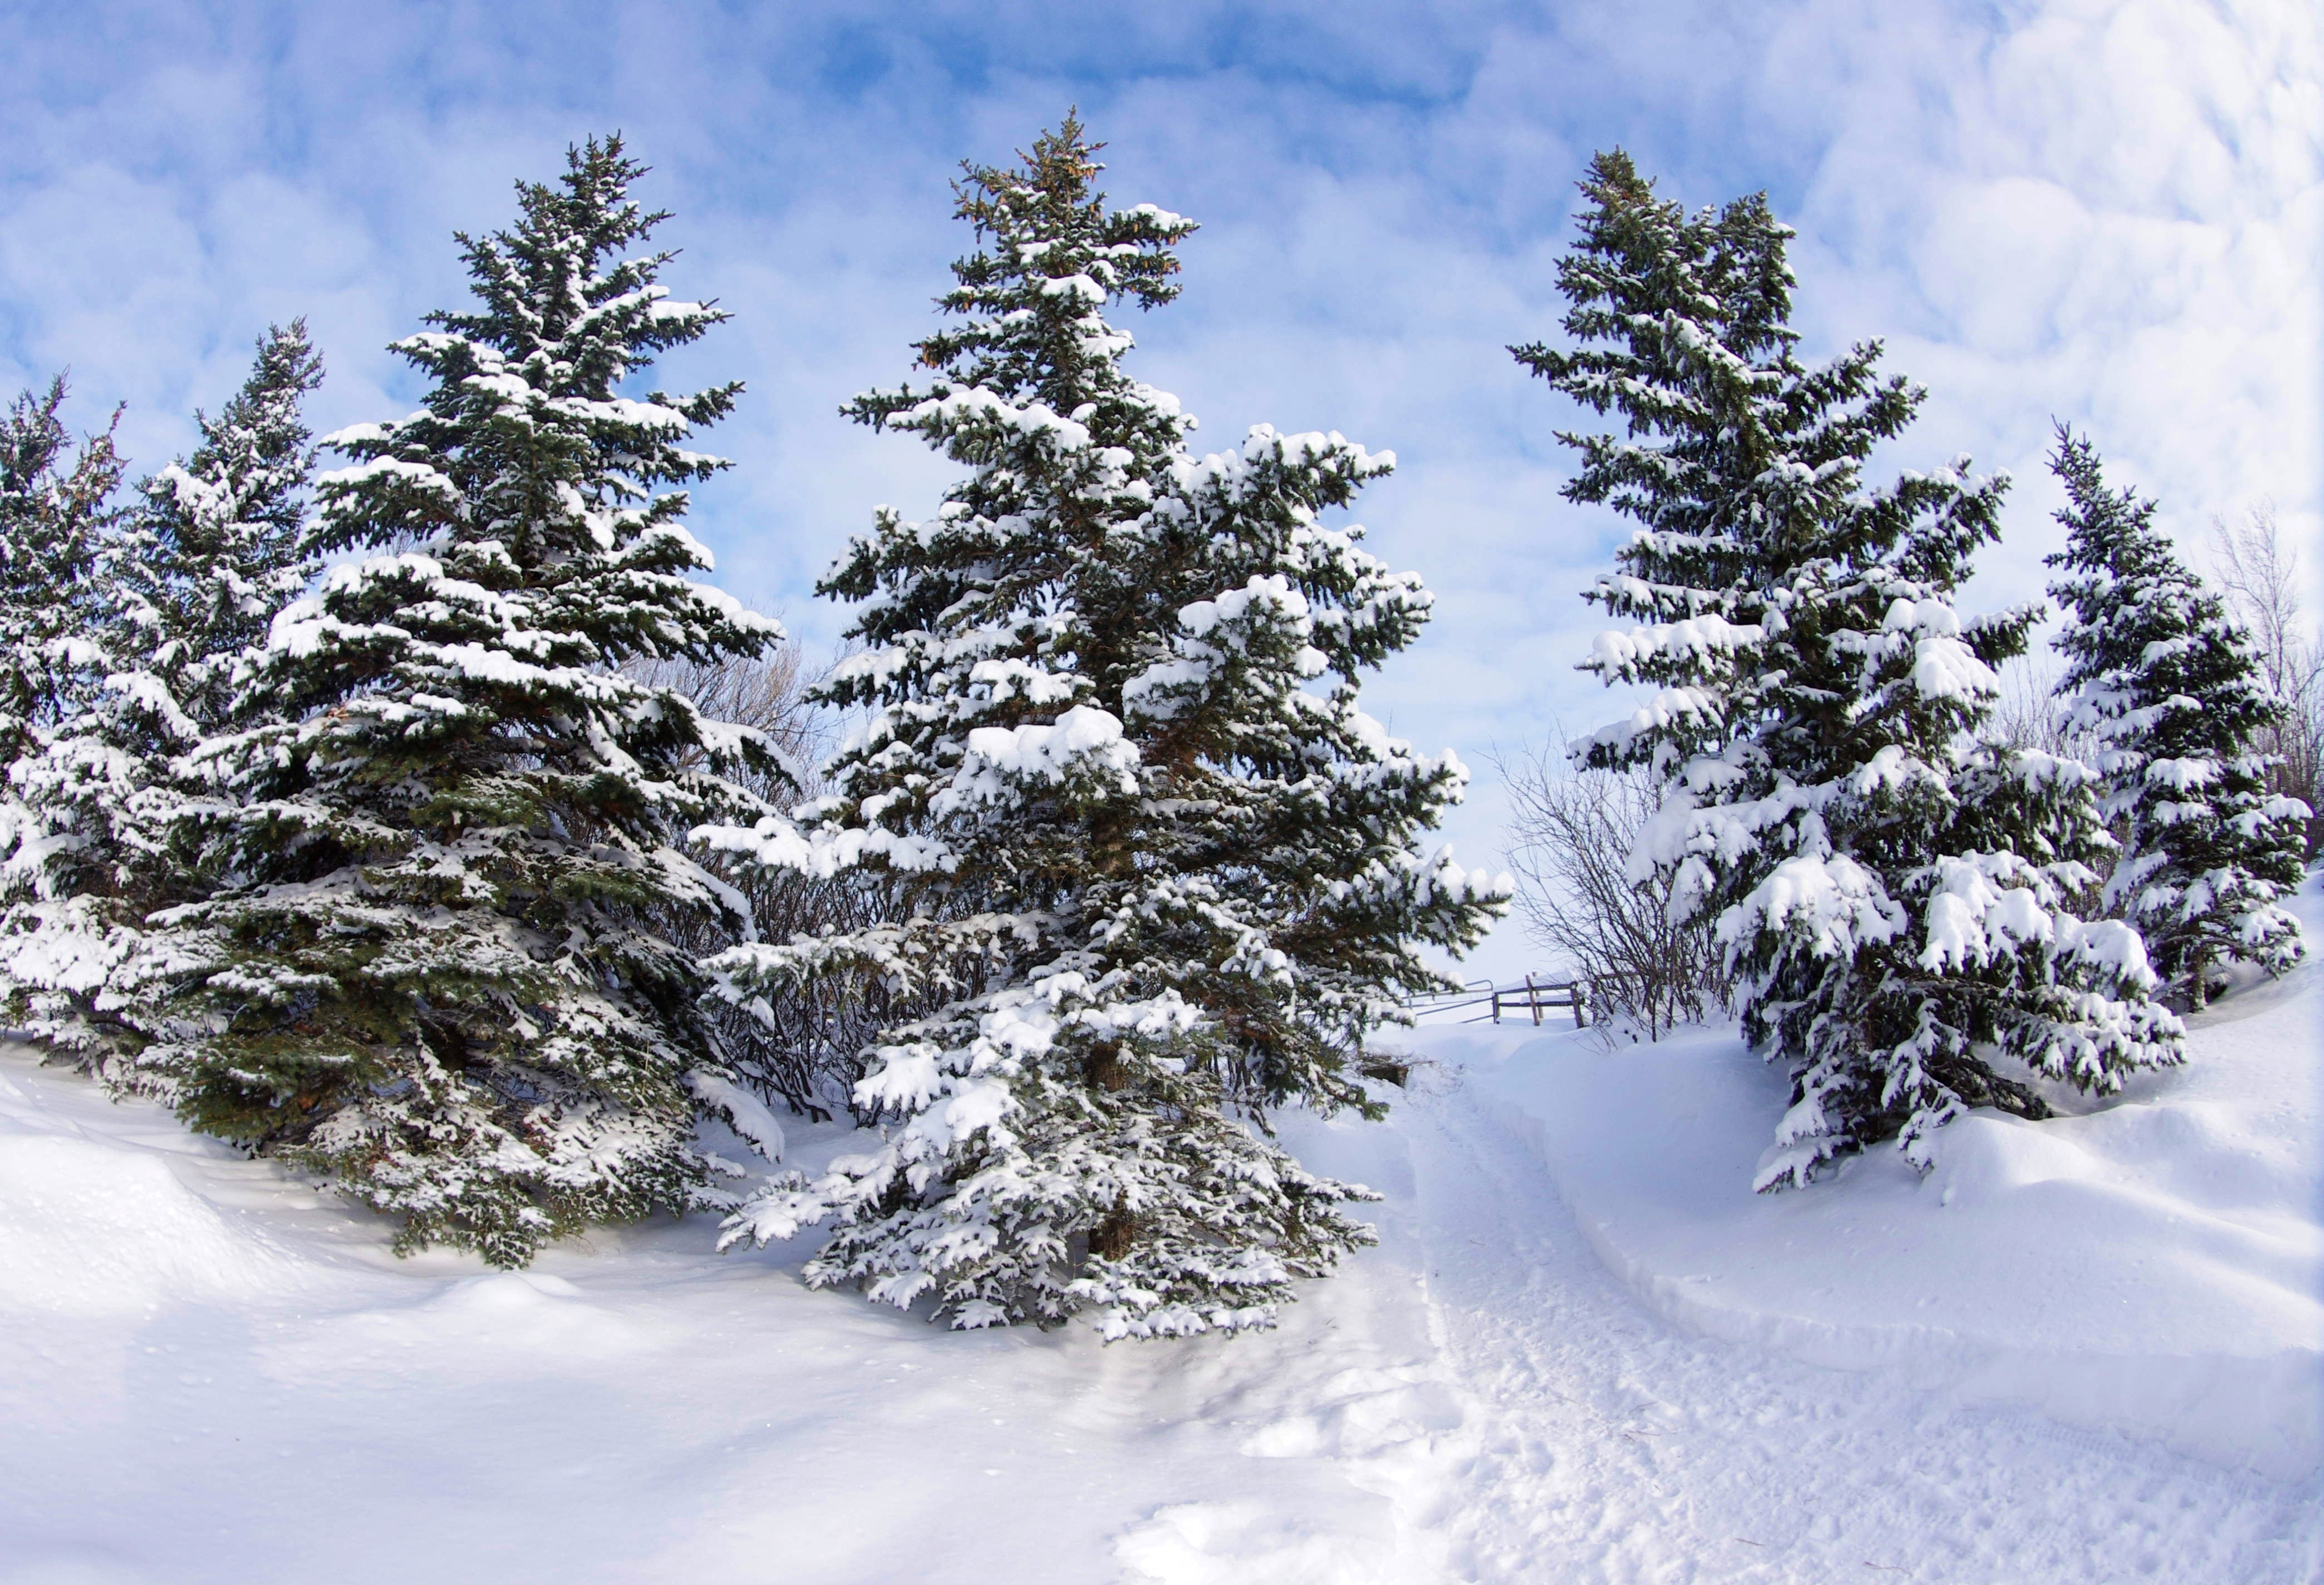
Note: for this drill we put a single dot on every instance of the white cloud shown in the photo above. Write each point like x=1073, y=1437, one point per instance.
x=2107, y=212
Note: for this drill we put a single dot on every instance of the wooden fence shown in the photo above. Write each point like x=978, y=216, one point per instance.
x=1532, y=996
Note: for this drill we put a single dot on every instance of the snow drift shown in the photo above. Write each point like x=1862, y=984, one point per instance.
x=208, y=1372
x=2154, y=1265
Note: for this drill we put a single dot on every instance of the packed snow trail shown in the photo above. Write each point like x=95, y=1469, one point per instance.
x=1598, y=1443
x=207, y=1373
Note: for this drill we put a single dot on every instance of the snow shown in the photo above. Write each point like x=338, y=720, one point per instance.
x=417, y=474
x=744, y=1112
x=2153, y=1267
x=1083, y=738
x=2082, y=1351
x=1835, y=902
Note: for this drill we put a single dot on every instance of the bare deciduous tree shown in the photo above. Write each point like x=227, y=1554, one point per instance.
x=2260, y=575
x=1571, y=836
x=2031, y=717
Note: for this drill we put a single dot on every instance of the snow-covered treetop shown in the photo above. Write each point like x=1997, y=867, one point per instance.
x=1030, y=300
x=56, y=510
x=2155, y=666
x=533, y=544
x=219, y=545
x=527, y=453
x=1030, y=393
x=1744, y=469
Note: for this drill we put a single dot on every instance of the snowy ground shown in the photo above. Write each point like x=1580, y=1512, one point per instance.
x=1583, y=1352
x=2155, y=1266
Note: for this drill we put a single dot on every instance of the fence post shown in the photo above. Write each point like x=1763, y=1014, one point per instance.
x=1497, y=1004
x=1533, y=1001
x=1581, y=1003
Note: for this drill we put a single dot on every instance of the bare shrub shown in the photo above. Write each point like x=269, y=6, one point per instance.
x=810, y=1044
x=766, y=692
x=1571, y=835
x=2261, y=576
x=808, y=1047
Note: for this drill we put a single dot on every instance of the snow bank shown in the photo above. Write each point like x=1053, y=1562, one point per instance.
x=93, y=1230
x=2153, y=1265
x=208, y=1373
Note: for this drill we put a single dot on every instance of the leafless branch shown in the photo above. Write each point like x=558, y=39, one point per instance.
x=807, y=1048
x=2260, y=574
x=1570, y=840
x=2030, y=715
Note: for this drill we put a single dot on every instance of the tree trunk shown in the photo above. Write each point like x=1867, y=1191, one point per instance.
x=1110, y=1239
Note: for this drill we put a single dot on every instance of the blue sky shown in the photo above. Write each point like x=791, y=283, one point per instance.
x=2111, y=213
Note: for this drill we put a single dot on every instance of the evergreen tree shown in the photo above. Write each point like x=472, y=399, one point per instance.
x=221, y=545
x=1156, y=884
x=2160, y=675
x=180, y=594
x=1892, y=890
x=57, y=510
x=444, y=972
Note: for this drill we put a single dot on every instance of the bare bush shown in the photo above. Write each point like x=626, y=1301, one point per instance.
x=767, y=693
x=811, y=1044
x=1571, y=836
x=808, y=1048
x=2261, y=576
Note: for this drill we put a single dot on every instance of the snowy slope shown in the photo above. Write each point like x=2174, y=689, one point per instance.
x=207, y=1374
x=2155, y=1266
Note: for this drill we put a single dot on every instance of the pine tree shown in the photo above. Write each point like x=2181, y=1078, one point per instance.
x=2160, y=675
x=221, y=545
x=444, y=973
x=1892, y=890
x=182, y=592
x=1158, y=885
x=57, y=510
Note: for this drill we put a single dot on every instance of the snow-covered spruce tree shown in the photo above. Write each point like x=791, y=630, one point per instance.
x=1158, y=885
x=2160, y=675
x=1892, y=890
x=445, y=976
x=185, y=588
x=56, y=511
x=222, y=542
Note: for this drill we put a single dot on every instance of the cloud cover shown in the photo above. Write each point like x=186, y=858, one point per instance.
x=2112, y=213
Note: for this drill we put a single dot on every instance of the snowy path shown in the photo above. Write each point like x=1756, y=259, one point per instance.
x=1606, y=1446
x=205, y=1374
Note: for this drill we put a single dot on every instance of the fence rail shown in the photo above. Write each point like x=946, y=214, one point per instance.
x=1532, y=996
